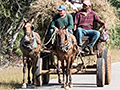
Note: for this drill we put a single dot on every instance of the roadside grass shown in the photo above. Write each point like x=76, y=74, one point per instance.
x=115, y=55
x=11, y=78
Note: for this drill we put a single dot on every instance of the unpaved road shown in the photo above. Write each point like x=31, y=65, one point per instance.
x=86, y=82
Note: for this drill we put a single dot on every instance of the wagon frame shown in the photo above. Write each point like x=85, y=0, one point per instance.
x=102, y=67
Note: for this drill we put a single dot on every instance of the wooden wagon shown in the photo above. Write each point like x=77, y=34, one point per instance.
x=102, y=67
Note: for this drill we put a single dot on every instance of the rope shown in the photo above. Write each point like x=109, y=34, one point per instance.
x=46, y=31
x=53, y=35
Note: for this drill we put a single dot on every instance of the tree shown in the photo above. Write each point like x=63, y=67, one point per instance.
x=11, y=14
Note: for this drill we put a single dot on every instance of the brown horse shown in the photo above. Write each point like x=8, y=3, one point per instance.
x=65, y=49
x=30, y=46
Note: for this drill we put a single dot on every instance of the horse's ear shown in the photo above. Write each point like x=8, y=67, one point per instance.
x=66, y=27
x=24, y=20
x=32, y=20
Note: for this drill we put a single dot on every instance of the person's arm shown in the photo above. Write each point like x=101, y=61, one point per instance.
x=76, y=21
x=70, y=22
x=100, y=21
x=75, y=27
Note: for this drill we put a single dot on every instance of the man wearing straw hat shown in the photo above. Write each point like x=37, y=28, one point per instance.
x=62, y=19
x=83, y=25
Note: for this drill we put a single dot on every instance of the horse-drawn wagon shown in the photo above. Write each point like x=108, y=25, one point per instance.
x=66, y=49
x=101, y=65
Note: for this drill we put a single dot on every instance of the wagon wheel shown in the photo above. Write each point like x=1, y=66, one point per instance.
x=100, y=72
x=107, y=58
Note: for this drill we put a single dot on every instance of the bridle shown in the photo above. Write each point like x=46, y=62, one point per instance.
x=66, y=45
x=32, y=39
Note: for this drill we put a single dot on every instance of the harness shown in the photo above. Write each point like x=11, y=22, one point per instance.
x=30, y=46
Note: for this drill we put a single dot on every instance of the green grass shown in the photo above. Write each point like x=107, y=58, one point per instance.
x=11, y=78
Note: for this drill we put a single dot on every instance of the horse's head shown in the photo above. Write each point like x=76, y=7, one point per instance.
x=62, y=37
x=28, y=27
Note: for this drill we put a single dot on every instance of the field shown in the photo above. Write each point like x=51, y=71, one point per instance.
x=11, y=78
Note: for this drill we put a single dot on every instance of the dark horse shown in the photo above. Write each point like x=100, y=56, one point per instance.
x=64, y=48
x=30, y=46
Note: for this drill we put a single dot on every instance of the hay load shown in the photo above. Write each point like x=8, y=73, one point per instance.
x=105, y=11
x=44, y=10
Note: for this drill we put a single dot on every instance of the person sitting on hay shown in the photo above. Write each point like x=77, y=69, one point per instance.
x=83, y=25
x=61, y=20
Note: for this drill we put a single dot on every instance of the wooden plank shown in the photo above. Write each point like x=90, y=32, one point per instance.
x=75, y=66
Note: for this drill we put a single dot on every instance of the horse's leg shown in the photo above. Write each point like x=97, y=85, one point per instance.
x=58, y=70
x=29, y=66
x=70, y=77
x=63, y=70
x=24, y=72
x=67, y=73
x=33, y=71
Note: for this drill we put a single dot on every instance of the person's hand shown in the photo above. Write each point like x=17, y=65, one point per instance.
x=56, y=29
x=105, y=26
x=74, y=29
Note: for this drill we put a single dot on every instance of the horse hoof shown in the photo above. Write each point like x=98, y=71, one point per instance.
x=67, y=87
x=24, y=85
x=28, y=84
x=70, y=85
x=33, y=86
x=62, y=86
x=60, y=82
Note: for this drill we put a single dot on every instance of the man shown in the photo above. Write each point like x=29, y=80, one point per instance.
x=62, y=19
x=83, y=25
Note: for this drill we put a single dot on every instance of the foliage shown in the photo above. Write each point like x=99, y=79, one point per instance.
x=17, y=43
x=116, y=34
x=115, y=3
x=116, y=37
x=11, y=14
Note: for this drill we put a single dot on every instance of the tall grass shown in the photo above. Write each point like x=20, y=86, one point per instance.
x=10, y=78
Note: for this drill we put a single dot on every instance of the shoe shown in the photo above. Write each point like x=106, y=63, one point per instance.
x=86, y=49
x=80, y=49
x=91, y=51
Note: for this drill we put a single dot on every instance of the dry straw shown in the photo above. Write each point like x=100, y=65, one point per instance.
x=105, y=11
x=44, y=10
